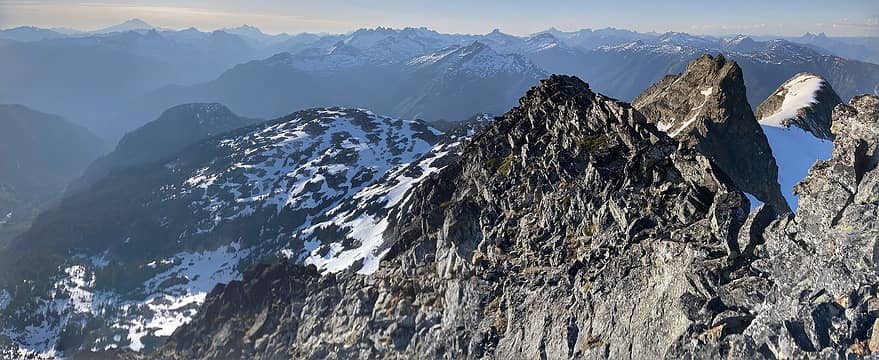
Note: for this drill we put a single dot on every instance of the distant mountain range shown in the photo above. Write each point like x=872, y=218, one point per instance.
x=129, y=73
x=450, y=83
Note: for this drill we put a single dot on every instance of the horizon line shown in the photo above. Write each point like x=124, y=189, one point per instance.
x=79, y=31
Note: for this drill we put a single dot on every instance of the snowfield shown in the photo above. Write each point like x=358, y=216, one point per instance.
x=795, y=149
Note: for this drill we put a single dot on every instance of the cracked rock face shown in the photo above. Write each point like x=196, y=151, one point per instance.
x=706, y=108
x=805, y=101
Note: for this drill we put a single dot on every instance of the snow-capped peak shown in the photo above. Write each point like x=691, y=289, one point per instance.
x=476, y=59
x=797, y=93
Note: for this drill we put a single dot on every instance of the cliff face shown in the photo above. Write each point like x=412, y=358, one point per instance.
x=706, y=108
x=571, y=228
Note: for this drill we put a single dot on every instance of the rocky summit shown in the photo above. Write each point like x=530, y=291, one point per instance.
x=569, y=228
x=706, y=108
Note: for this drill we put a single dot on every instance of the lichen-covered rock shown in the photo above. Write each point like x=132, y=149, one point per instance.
x=706, y=108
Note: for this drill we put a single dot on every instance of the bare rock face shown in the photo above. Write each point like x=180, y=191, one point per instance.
x=805, y=101
x=706, y=108
x=569, y=227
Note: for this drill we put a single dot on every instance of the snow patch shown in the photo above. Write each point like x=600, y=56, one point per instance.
x=194, y=275
x=666, y=127
x=755, y=203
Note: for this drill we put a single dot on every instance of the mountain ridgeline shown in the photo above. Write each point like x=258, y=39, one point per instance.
x=129, y=74
x=473, y=78
x=176, y=129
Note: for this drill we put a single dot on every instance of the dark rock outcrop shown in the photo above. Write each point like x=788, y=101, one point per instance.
x=706, y=108
x=815, y=117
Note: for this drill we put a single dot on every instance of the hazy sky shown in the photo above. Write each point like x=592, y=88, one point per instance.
x=780, y=17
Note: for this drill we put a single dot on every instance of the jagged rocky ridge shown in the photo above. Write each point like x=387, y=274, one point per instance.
x=823, y=262
x=570, y=227
x=391, y=189
x=706, y=108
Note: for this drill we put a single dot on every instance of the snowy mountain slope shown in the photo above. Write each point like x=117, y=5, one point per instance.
x=798, y=93
x=475, y=78
x=476, y=59
x=795, y=151
x=589, y=39
x=128, y=25
x=309, y=186
x=797, y=121
x=379, y=46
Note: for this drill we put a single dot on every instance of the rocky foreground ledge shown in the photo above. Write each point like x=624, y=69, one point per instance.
x=572, y=228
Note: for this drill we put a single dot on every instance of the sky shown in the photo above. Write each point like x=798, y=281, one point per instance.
x=755, y=17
